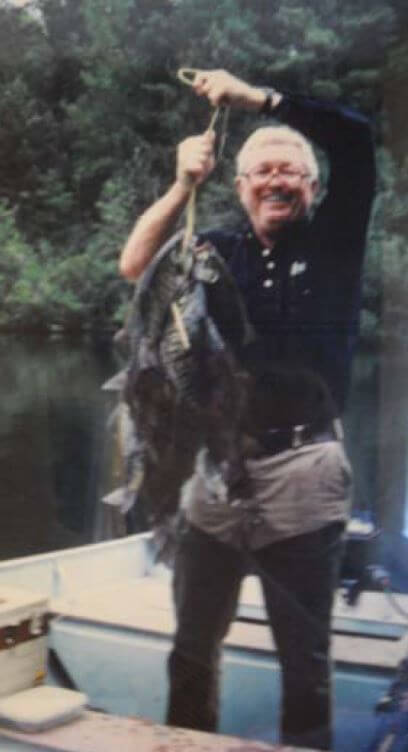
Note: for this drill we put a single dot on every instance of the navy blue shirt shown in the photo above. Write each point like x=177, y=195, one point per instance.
x=303, y=297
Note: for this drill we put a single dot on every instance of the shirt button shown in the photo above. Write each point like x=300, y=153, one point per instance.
x=267, y=283
x=266, y=252
x=270, y=265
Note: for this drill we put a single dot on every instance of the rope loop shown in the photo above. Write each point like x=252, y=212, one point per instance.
x=187, y=75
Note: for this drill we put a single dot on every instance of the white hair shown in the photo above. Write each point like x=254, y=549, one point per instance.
x=279, y=134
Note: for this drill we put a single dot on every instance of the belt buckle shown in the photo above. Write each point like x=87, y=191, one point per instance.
x=297, y=435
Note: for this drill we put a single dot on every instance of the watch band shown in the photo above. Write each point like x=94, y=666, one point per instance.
x=269, y=103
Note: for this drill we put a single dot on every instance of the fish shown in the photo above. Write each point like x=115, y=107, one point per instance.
x=184, y=387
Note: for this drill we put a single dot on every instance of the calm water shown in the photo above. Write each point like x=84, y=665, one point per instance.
x=51, y=441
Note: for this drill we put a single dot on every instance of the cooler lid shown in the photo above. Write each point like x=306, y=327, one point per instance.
x=40, y=708
x=17, y=604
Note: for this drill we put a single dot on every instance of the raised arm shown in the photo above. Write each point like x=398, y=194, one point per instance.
x=344, y=135
x=346, y=138
x=195, y=161
x=221, y=87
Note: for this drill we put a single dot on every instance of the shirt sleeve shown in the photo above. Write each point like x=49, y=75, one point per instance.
x=346, y=138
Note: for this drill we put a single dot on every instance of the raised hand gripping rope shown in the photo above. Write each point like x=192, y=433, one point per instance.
x=187, y=76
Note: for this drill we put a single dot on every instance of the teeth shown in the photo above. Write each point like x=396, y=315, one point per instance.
x=278, y=196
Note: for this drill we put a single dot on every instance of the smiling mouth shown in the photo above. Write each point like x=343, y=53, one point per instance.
x=279, y=197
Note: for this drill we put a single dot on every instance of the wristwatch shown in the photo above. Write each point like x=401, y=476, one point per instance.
x=272, y=100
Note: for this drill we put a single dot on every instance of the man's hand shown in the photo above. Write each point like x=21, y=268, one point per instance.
x=223, y=88
x=195, y=159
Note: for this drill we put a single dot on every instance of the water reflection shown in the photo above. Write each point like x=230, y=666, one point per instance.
x=51, y=438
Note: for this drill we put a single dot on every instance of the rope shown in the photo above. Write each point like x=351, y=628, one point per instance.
x=187, y=76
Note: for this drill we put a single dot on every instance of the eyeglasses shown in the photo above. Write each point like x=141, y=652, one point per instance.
x=262, y=174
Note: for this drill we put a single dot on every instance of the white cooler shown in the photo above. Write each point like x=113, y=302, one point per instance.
x=23, y=666
x=23, y=639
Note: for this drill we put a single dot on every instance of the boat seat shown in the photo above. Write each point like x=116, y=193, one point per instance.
x=370, y=633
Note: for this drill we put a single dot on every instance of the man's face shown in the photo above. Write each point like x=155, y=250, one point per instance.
x=275, y=186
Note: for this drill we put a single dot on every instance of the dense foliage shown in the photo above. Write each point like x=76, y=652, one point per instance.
x=91, y=111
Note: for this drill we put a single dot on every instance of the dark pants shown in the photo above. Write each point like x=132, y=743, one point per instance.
x=298, y=578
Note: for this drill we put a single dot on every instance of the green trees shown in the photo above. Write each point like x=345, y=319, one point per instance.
x=91, y=111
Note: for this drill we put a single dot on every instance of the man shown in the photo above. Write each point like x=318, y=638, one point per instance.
x=298, y=267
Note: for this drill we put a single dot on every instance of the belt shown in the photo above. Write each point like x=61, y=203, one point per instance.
x=276, y=440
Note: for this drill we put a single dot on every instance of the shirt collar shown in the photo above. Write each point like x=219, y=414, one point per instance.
x=289, y=233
